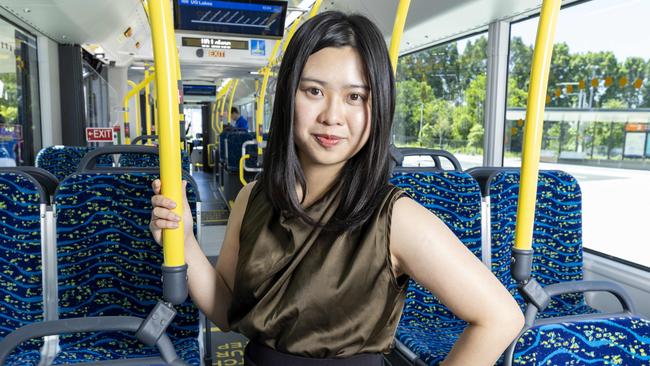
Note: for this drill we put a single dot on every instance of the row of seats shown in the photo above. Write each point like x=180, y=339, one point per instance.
x=63, y=161
x=230, y=149
x=104, y=263
x=428, y=329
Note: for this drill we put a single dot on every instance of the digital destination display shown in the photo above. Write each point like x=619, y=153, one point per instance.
x=200, y=90
x=244, y=17
x=215, y=43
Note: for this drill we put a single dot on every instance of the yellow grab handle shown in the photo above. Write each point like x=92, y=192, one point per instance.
x=534, y=123
x=241, y=168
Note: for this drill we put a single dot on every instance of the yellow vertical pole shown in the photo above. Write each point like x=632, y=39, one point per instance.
x=398, y=30
x=165, y=57
x=534, y=123
x=138, y=121
x=213, y=119
x=266, y=73
x=125, y=111
x=217, y=107
x=155, y=109
x=147, y=106
x=222, y=111
x=231, y=99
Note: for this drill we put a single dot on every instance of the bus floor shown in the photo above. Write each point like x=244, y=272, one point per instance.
x=214, y=211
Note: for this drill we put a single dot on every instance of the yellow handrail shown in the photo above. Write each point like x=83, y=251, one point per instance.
x=222, y=96
x=147, y=106
x=213, y=119
x=398, y=30
x=314, y=9
x=135, y=90
x=165, y=57
x=266, y=73
x=534, y=123
x=126, y=112
x=241, y=168
x=292, y=30
x=232, y=98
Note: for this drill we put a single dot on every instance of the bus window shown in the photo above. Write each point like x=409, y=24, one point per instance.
x=20, y=134
x=441, y=98
x=597, y=118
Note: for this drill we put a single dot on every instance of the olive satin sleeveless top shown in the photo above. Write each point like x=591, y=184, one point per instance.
x=305, y=291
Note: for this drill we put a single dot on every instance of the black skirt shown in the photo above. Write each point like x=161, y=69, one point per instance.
x=259, y=355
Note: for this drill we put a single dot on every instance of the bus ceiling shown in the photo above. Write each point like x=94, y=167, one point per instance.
x=121, y=33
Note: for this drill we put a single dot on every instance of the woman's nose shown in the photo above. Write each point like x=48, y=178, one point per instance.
x=333, y=112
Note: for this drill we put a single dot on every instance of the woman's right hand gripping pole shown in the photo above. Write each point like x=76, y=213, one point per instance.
x=162, y=216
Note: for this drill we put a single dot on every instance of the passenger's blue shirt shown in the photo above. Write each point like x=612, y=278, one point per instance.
x=241, y=123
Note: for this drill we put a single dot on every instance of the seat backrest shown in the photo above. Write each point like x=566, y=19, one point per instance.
x=109, y=264
x=47, y=180
x=557, y=232
x=230, y=148
x=150, y=161
x=22, y=200
x=62, y=161
x=455, y=198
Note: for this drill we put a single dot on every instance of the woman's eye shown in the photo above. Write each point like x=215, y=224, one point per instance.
x=357, y=97
x=314, y=91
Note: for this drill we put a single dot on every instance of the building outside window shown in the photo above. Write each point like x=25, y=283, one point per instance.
x=441, y=98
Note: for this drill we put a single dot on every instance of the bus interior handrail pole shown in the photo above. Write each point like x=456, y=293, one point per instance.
x=147, y=105
x=266, y=73
x=533, y=133
x=398, y=31
x=165, y=58
x=231, y=100
x=136, y=88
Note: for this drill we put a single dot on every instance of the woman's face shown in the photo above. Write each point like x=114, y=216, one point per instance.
x=332, y=108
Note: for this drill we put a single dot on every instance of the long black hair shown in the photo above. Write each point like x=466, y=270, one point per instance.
x=364, y=178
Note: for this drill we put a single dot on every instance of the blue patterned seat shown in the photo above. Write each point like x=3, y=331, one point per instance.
x=21, y=281
x=109, y=265
x=230, y=143
x=149, y=160
x=62, y=161
x=557, y=235
x=427, y=327
x=607, y=341
x=557, y=244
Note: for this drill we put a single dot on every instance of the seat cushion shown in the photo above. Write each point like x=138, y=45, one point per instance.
x=609, y=341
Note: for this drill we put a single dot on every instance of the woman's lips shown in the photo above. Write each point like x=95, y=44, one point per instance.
x=327, y=140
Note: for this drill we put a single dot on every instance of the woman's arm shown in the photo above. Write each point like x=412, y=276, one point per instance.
x=423, y=247
x=210, y=287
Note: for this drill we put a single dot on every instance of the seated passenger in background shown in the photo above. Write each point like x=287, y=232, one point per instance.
x=318, y=251
x=238, y=120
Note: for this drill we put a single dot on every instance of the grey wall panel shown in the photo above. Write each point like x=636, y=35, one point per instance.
x=50, y=92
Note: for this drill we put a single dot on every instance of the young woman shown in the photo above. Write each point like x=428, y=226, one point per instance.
x=318, y=251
